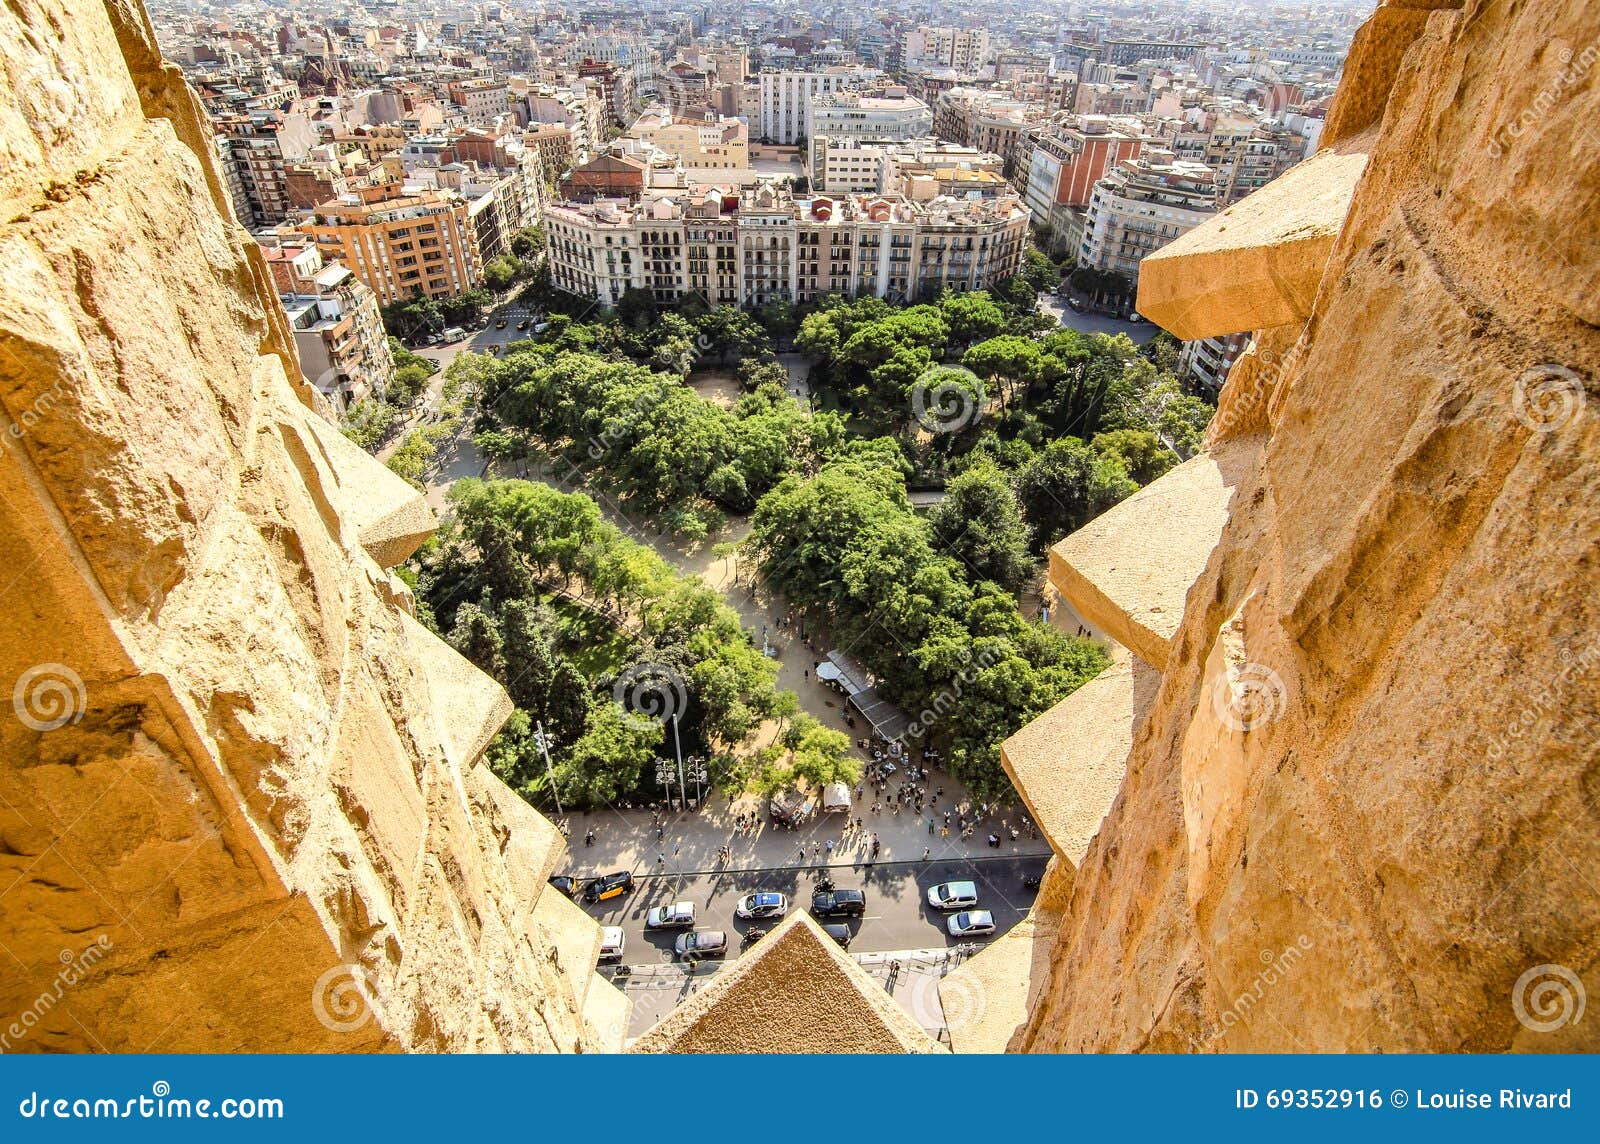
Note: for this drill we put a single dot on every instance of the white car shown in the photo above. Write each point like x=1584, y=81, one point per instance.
x=611, y=943
x=953, y=895
x=971, y=923
x=679, y=915
x=762, y=904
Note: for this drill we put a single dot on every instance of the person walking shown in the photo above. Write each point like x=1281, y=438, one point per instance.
x=830, y=849
x=930, y=826
x=927, y=852
x=661, y=862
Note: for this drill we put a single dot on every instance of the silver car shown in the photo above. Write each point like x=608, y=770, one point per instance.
x=701, y=943
x=679, y=915
x=953, y=895
x=971, y=923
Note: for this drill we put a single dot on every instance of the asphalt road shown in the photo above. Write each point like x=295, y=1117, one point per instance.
x=898, y=916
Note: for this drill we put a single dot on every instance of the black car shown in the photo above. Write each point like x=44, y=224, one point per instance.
x=839, y=933
x=839, y=903
x=608, y=886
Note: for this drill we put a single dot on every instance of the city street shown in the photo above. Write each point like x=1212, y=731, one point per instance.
x=898, y=916
x=1086, y=323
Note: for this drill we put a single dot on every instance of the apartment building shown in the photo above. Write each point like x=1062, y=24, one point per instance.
x=552, y=142
x=889, y=113
x=767, y=245
x=964, y=50
x=1066, y=161
x=1207, y=361
x=401, y=241
x=783, y=96
x=991, y=121
x=577, y=107
x=262, y=145
x=852, y=164
x=337, y=328
x=709, y=144
x=483, y=102
x=1141, y=205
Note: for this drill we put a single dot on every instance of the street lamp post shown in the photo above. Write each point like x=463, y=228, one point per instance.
x=543, y=741
x=697, y=771
x=664, y=777
x=683, y=790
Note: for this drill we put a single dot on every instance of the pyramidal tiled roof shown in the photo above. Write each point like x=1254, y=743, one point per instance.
x=795, y=992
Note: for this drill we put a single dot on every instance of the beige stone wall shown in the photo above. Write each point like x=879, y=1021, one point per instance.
x=241, y=806
x=1400, y=834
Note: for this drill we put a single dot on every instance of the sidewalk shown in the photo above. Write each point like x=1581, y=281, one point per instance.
x=627, y=840
x=910, y=976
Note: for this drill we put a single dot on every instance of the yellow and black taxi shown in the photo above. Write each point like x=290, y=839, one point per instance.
x=608, y=886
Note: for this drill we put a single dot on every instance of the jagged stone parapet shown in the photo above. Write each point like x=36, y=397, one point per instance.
x=1128, y=571
x=240, y=789
x=1254, y=266
x=1361, y=812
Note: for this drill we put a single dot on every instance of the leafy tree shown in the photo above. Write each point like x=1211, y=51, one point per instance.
x=980, y=522
x=528, y=243
x=1139, y=451
x=971, y=316
x=610, y=758
x=1067, y=485
x=500, y=273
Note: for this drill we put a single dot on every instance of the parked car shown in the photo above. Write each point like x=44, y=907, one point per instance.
x=566, y=884
x=971, y=923
x=764, y=904
x=838, y=933
x=611, y=942
x=701, y=943
x=953, y=895
x=608, y=886
x=1075, y=304
x=839, y=903
x=679, y=915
